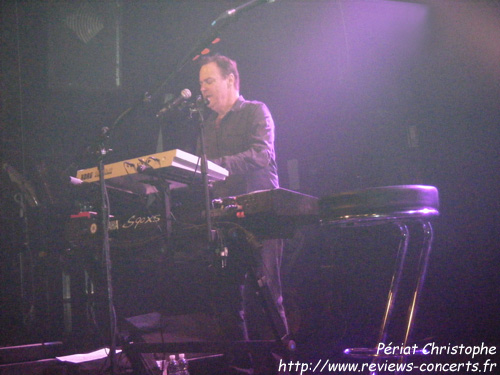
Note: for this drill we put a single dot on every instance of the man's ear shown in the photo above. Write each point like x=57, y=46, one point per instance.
x=230, y=80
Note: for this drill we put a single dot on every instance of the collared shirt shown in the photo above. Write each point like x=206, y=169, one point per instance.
x=243, y=143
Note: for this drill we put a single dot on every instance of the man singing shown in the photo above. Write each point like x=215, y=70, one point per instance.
x=239, y=136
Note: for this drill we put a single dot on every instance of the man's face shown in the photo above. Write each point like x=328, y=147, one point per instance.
x=215, y=88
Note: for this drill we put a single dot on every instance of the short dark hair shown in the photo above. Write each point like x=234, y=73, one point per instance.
x=226, y=66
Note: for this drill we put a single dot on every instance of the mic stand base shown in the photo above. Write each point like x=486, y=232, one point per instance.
x=107, y=259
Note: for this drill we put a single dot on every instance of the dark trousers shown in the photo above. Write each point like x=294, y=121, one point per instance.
x=251, y=283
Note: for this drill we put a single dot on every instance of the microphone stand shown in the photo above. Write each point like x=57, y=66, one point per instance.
x=199, y=109
x=105, y=211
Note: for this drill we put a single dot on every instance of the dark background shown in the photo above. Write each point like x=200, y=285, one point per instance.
x=363, y=93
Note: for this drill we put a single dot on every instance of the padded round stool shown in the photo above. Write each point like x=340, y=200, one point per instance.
x=399, y=205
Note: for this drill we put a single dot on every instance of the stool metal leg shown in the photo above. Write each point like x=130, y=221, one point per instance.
x=422, y=271
x=396, y=279
x=393, y=290
x=391, y=298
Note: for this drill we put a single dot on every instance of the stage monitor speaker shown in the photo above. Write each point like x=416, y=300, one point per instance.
x=84, y=45
x=30, y=352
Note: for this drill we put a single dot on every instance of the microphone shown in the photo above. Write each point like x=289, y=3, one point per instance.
x=232, y=13
x=201, y=101
x=185, y=95
x=199, y=104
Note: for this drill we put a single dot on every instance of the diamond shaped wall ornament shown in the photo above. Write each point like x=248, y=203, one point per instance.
x=85, y=23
